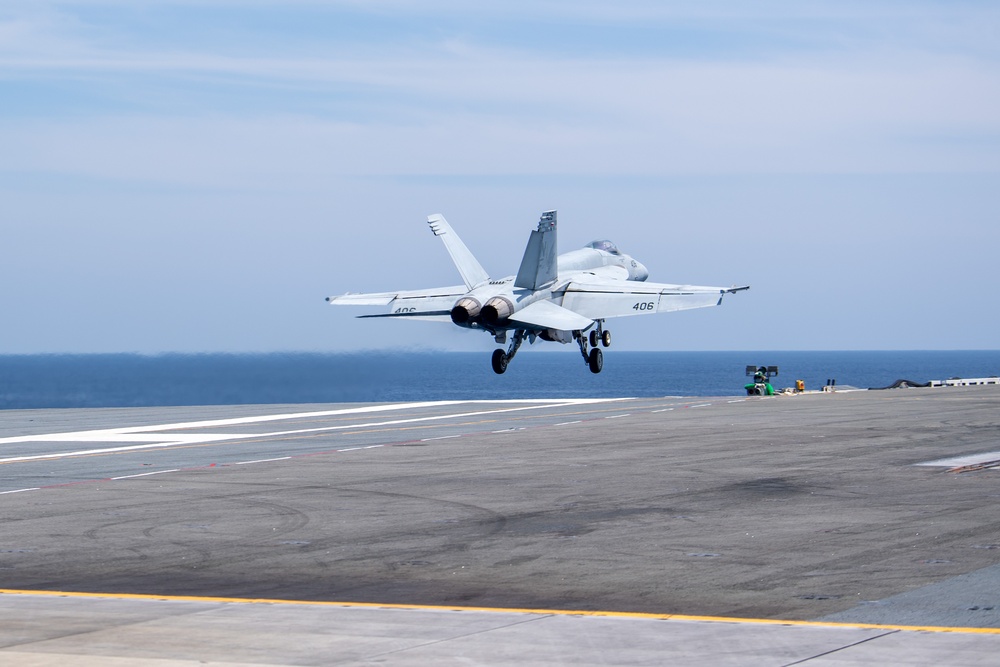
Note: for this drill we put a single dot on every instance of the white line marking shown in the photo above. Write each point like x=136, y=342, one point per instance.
x=968, y=460
x=95, y=435
x=578, y=421
x=145, y=474
x=664, y=410
x=79, y=436
x=738, y=400
x=34, y=488
x=111, y=450
x=280, y=458
x=701, y=405
x=173, y=440
x=441, y=437
x=618, y=416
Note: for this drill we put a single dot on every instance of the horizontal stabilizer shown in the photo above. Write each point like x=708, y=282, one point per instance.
x=550, y=316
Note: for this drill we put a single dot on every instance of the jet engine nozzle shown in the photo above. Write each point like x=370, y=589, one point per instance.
x=496, y=310
x=465, y=310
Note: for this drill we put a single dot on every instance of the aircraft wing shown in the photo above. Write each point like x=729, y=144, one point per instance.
x=600, y=299
x=430, y=304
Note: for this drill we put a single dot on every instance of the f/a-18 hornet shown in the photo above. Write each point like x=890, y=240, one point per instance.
x=555, y=298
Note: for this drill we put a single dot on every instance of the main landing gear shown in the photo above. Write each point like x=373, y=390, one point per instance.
x=501, y=358
x=592, y=354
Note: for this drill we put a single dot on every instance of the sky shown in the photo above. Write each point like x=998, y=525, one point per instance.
x=198, y=176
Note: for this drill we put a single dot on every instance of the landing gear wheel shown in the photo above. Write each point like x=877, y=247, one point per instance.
x=605, y=339
x=596, y=360
x=593, y=339
x=500, y=360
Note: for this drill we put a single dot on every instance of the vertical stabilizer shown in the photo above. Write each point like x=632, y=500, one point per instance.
x=472, y=271
x=539, y=266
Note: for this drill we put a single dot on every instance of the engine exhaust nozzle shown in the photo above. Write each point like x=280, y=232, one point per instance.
x=465, y=310
x=497, y=310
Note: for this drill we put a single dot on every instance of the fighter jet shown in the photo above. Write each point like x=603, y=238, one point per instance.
x=559, y=298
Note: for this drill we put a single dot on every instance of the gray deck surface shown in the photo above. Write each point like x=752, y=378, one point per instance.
x=812, y=508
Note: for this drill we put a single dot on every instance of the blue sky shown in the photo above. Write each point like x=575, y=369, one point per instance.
x=197, y=176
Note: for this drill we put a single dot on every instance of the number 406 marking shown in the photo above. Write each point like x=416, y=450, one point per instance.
x=648, y=305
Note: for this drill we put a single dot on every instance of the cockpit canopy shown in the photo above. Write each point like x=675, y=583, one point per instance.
x=606, y=246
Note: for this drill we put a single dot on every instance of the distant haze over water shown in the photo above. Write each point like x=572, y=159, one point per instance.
x=122, y=380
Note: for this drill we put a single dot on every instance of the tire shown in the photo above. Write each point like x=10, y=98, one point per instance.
x=606, y=338
x=596, y=360
x=500, y=361
x=593, y=339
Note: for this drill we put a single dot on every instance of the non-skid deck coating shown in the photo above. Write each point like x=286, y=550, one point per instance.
x=805, y=508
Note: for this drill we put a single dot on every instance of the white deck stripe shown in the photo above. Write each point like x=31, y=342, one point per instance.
x=234, y=421
x=279, y=458
x=127, y=434
x=145, y=474
x=967, y=460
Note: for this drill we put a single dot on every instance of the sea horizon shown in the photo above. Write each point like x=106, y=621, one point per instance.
x=75, y=380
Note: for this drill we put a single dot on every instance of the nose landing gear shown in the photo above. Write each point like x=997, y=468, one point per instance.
x=600, y=334
x=594, y=357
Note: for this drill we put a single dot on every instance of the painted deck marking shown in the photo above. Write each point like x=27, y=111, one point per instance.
x=966, y=460
x=280, y=458
x=505, y=610
x=154, y=437
x=146, y=474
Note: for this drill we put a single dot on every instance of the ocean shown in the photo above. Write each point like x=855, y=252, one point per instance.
x=124, y=380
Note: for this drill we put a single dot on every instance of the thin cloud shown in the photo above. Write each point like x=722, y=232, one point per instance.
x=697, y=134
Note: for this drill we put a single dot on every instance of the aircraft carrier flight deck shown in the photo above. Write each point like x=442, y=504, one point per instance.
x=838, y=528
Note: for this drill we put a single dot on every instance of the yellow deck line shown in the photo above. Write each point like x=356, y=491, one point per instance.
x=547, y=612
